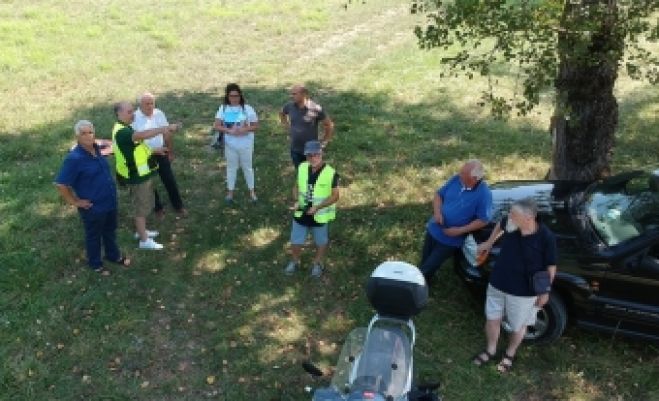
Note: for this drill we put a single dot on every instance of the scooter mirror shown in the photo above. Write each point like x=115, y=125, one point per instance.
x=312, y=369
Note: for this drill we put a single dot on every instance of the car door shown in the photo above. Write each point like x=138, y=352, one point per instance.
x=629, y=290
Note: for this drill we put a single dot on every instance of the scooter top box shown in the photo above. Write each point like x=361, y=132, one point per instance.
x=397, y=289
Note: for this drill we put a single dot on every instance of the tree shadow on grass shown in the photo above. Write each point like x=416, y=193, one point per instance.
x=213, y=314
x=637, y=140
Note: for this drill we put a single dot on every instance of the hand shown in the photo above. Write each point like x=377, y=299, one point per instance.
x=312, y=210
x=170, y=156
x=83, y=204
x=542, y=300
x=439, y=219
x=293, y=207
x=159, y=151
x=483, y=247
x=172, y=128
x=453, y=231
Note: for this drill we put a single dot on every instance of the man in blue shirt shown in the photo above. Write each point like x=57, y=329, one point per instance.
x=462, y=205
x=85, y=181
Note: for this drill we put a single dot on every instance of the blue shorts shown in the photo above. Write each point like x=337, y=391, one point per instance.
x=299, y=234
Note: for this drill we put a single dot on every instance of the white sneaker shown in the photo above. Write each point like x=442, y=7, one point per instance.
x=149, y=233
x=150, y=244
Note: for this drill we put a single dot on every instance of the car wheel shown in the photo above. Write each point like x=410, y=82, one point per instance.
x=550, y=322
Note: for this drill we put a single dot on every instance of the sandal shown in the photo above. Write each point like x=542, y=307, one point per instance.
x=123, y=261
x=479, y=360
x=102, y=271
x=504, y=367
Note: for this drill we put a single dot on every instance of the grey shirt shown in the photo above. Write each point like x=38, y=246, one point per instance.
x=304, y=123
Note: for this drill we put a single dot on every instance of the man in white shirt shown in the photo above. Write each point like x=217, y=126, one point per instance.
x=147, y=117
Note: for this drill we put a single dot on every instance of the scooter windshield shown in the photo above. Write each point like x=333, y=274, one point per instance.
x=379, y=362
x=350, y=353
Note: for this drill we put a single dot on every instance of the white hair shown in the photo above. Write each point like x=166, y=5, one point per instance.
x=477, y=169
x=145, y=95
x=526, y=206
x=77, y=128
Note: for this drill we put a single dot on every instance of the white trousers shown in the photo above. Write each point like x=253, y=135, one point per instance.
x=239, y=157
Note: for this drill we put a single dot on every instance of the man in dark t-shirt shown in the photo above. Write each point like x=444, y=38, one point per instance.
x=527, y=247
x=301, y=117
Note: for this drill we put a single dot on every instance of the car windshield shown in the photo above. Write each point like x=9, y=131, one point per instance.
x=624, y=207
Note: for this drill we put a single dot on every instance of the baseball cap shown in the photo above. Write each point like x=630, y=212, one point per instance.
x=312, y=147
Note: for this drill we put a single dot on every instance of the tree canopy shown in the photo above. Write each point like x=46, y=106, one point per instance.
x=575, y=46
x=528, y=34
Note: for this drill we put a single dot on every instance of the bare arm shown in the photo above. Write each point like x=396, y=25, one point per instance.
x=473, y=226
x=328, y=130
x=494, y=235
x=249, y=127
x=219, y=125
x=437, y=209
x=332, y=199
x=283, y=119
x=150, y=133
x=295, y=196
x=70, y=197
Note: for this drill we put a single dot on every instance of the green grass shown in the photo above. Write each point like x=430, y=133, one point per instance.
x=212, y=316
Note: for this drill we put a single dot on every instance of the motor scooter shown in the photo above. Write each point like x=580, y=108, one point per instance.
x=376, y=362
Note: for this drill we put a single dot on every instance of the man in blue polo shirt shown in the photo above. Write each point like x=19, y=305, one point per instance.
x=85, y=181
x=462, y=205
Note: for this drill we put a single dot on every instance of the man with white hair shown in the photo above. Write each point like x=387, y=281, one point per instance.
x=462, y=205
x=147, y=117
x=527, y=248
x=85, y=181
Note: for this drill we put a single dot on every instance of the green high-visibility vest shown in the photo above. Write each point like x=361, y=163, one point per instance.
x=322, y=190
x=141, y=155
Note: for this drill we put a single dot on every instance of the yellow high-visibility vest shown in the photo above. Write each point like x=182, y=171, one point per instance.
x=141, y=155
x=322, y=190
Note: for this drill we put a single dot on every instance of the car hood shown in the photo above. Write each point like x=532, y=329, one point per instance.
x=551, y=196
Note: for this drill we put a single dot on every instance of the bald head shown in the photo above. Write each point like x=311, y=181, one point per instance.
x=299, y=94
x=471, y=172
x=124, y=112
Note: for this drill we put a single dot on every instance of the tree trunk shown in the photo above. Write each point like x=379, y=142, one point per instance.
x=586, y=114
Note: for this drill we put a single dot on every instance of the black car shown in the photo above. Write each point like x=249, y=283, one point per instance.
x=607, y=235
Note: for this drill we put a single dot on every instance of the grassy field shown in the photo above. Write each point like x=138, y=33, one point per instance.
x=212, y=317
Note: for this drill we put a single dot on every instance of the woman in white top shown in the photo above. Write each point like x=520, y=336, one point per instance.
x=237, y=121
